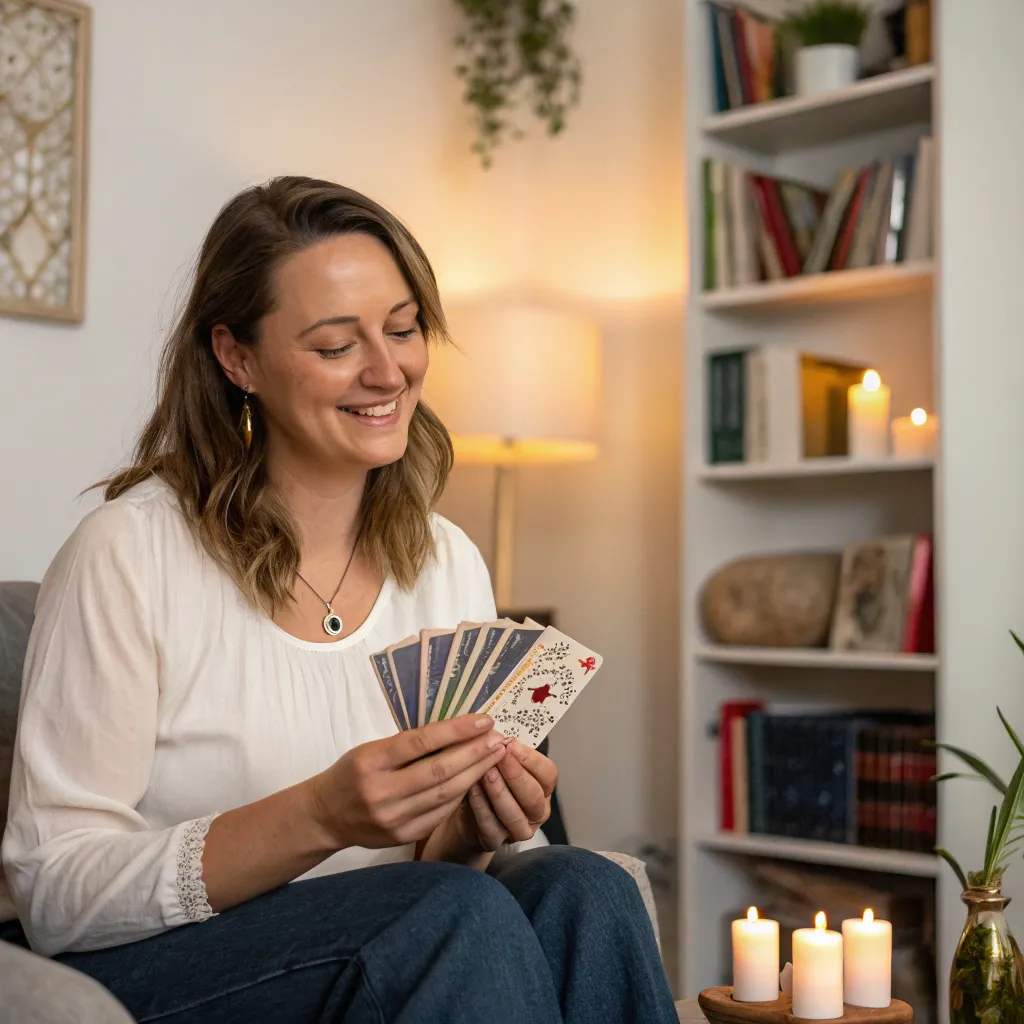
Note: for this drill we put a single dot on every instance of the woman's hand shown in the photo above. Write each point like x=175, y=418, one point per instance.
x=512, y=800
x=398, y=790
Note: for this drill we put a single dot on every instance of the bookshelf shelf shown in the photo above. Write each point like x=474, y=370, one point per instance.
x=801, y=657
x=734, y=472
x=886, y=101
x=823, y=289
x=863, y=858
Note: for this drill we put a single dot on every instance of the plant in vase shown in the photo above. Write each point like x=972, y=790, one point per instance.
x=986, y=983
x=829, y=32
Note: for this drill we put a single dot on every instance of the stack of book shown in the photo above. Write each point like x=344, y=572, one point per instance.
x=760, y=228
x=855, y=778
x=745, y=55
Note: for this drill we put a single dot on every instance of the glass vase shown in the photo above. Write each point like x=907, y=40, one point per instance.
x=986, y=983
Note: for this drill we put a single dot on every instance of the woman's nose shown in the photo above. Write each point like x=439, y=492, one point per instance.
x=381, y=369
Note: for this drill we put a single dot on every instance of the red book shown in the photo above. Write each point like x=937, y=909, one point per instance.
x=841, y=253
x=772, y=214
x=739, y=32
x=919, y=625
x=730, y=710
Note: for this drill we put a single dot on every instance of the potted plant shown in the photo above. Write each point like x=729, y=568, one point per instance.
x=986, y=982
x=829, y=32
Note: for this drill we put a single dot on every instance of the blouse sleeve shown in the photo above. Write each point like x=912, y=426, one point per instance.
x=83, y=866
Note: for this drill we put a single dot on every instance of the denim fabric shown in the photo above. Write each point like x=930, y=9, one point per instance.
x=556, y=934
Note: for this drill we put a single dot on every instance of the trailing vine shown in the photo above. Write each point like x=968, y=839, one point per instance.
x=509, y=47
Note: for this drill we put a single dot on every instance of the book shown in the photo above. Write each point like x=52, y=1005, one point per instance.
x=729, y=712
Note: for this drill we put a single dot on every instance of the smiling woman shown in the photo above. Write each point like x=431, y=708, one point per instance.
x=221, y=736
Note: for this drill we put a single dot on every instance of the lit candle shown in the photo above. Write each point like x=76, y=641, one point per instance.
x=867, y=408
x=755, y=959
x=817, y=972
x=867, y=961
x=915, y=436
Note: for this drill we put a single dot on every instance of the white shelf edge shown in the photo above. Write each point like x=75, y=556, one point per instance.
x=866, y=282
x=792, y=106
x=841, y=465
x=803, y=657
x=865, y=858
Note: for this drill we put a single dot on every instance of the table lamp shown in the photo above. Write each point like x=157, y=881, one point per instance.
x=519, y=386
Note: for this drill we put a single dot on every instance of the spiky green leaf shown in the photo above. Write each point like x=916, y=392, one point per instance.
x=1004, y=822
x=972, y=761
x=1017, y=639
x=946, y=776
x=952, y=862
x=1009, y=728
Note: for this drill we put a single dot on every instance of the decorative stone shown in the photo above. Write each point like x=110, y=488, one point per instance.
x=772, y=600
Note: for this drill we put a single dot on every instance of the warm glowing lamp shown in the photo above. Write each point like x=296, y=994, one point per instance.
x=519, y=386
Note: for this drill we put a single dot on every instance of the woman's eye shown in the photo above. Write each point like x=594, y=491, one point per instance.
x=333, y=353
x=404, y=335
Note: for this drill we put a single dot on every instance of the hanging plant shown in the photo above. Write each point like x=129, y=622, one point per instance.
x=512, y=47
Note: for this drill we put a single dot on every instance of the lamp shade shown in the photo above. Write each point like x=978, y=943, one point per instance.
x=520, y=384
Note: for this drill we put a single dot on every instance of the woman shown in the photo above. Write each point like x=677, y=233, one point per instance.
x=196, y=731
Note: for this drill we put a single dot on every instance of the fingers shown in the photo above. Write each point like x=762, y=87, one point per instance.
x=441, y=768
x=517, y=811
x=414, y=744
x=450, y=776
x=492, y=832
x=422, y=826
x=542, y=768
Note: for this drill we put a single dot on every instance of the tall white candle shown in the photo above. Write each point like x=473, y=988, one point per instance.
x=817, y=972
x=915, y=436
x=867, y=961
x=755, y=959
x=867, y=406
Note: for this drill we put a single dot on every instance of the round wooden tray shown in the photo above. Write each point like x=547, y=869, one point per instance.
x=720, y=1008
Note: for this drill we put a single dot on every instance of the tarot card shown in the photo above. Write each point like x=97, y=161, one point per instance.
x=492, y=635
x=536, y=695
x=463, y=643
x=405, y=662
x=386, y=678
x=435, y=645
x=503, y=663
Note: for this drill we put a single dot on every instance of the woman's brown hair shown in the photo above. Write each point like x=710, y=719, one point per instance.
x=191, y=440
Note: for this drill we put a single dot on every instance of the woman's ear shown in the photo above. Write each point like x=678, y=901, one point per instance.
x=231, y=354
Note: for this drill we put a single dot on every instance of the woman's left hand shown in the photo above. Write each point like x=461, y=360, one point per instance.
x=510, y=803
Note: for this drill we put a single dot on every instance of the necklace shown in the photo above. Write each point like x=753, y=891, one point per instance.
x=332, y=620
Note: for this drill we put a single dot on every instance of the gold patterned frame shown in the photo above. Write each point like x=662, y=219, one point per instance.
x=43, y=135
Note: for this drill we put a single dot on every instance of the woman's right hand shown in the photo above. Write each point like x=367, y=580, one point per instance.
x=398, y=790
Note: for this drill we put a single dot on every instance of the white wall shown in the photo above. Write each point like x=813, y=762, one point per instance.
x=981, y=312
x=193, y=99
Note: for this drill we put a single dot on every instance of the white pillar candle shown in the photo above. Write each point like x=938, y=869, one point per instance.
x=915, y=436
x=817, y=972
x=867, y=406
x=867, y=961
x=755, y=959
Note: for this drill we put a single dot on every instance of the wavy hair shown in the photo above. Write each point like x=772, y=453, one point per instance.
x=191, y=440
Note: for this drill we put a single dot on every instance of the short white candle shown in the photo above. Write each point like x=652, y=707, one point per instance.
x=817, y=972
x=867, y=407
x=867, y=961
x=755, y=959
x=915, y=436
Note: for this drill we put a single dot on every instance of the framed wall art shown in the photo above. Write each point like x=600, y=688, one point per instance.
x=44, y=78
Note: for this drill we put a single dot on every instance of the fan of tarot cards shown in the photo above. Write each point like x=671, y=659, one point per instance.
x=523, y=675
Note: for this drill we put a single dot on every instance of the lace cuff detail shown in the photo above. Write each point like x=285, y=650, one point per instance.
x=189, y=883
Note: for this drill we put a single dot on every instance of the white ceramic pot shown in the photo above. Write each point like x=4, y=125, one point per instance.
x=825, y=68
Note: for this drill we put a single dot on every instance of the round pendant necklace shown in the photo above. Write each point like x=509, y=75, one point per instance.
x=332, y=620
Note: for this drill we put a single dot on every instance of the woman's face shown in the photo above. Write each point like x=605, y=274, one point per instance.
x=339, y=364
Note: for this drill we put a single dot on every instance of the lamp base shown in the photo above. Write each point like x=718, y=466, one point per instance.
x=719, y=1007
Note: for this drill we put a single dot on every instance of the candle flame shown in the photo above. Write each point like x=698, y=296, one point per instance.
x=869, y=915
x=820, y=922
x=919, y=417
x=752, y=914
x=872, y=382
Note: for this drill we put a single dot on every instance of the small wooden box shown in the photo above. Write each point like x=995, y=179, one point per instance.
x=719, y=1007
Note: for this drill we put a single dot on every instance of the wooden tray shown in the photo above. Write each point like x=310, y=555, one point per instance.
x=720, y=1008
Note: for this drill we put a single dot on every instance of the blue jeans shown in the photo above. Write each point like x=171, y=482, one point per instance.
x=554, y=934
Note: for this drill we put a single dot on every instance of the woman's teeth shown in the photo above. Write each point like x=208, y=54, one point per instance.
x=375, y=410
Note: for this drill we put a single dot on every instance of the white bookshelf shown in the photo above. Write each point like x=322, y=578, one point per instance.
x=881, y=316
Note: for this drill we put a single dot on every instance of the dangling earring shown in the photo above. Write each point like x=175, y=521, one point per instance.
x=245, y=423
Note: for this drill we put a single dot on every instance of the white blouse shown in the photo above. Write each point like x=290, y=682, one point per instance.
x=155, y=697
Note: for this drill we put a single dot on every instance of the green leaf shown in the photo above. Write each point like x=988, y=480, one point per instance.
x=946, y=776
x=988, y=838
x=976, y=763
x=952, y=862
x=1020, y=643
x=1004, y=822
x=1009, y=728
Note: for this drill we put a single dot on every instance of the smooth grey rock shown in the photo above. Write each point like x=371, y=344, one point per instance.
x=772, y=600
